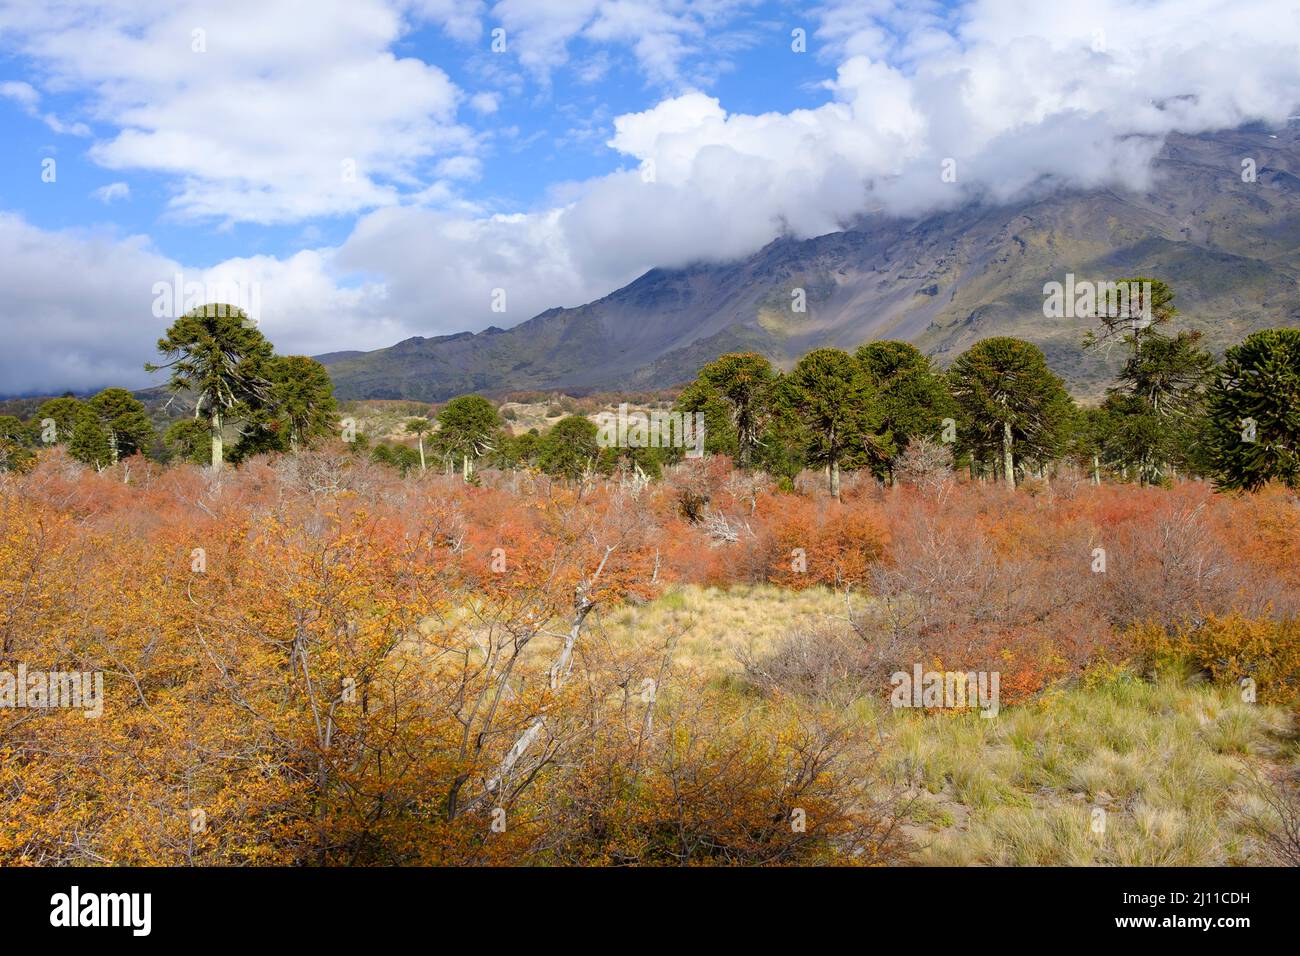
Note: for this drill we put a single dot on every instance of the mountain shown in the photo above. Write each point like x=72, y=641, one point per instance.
x=1228, y=248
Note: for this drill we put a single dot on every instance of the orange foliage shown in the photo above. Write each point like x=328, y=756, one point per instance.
x=812, y=542
x=311, y=660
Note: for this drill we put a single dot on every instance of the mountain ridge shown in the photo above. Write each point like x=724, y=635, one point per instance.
x=1228, y=247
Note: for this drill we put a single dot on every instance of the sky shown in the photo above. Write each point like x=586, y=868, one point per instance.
x=357, y=172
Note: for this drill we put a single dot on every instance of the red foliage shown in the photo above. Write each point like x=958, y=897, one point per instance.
x=962, y=573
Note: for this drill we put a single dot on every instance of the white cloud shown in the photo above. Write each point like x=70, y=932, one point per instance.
x=112, y=192
x=89, y=299
x=663, y=35
x=461, y=19
x=70, y=129
x=1018, y=98
x=1023, y=96
x=85, y=296
x=261, y=111
x=440, y=270
x=460, y=167
x=485, y=103
x=26, y=96
x=264, y=123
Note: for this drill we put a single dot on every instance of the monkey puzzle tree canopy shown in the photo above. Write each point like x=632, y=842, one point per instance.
x=913, y=398
x=570, y=448
x=1011, y=402
x=1254, y=411
x=467, y=427
x=1150, y=306
x=90, y=444
x=187, y=440
x=218, y=356
x=301, y=398
x=1168, y=373
x=124, y=421
x=740, y=386
x=64, y=412
x=831, y=395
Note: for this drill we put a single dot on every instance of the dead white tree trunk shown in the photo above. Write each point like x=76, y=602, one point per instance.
x=559, y=672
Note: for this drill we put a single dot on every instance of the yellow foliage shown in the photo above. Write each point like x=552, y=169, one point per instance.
x=1233, y=648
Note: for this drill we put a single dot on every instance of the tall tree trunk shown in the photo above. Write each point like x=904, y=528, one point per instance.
x=215, y=430
x=421, y=440
x=1096, y=470
x=835, y=479
x=1008, y=461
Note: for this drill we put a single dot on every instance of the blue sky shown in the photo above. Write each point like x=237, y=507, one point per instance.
x=376, y=169
x=545, y=132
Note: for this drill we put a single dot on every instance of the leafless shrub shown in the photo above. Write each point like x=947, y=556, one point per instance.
x=1170, y=570
x=824, y=663
x=939, y=568
x=926, y=463
x=1275, y=821
x=719, y=528
x=746, y=487
x=721, y=783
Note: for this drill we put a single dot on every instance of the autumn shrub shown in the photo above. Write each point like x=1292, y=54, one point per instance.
x=1231, y=649
x=826, y=663
x=1260, y=532
x=712, y=781
x=1167, y=564
x=810, y=542
x=1274, y=818
x=312, y=660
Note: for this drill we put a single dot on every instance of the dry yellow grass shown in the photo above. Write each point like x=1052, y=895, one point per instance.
x=1162, y=762
x=1128, y=773
x=717, y=624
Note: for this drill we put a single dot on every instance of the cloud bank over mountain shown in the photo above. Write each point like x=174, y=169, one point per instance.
x=1008, y=98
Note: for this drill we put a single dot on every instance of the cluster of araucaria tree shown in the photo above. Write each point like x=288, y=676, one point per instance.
x=1004, y=413
x=998, y=410
x=228, y=375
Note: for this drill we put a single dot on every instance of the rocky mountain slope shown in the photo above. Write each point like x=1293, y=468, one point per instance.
x=1228, y=247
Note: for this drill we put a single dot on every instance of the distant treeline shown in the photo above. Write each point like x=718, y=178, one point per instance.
x=998, y=412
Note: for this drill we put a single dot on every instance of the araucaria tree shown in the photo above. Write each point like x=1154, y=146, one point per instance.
x=468, y=428
x=570, y=449
x=1254, y=412
x=1013, y=407
x=1145, y=307
x=912, y=397
x=62, y=414
x=301, y=398
x=1157, y=404
x=829, y=392
x=218, y=357
x=299, y=408
x=89, y=444
x=110, y=426
x=125, y=423
x=1157, y=401
x=741, y=384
